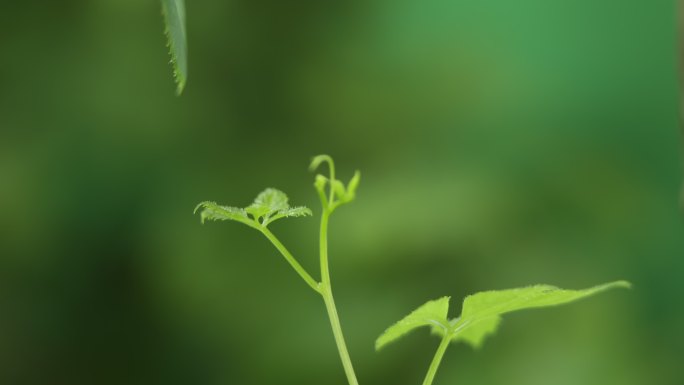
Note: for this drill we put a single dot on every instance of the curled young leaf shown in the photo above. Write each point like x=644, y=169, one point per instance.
x=317, y=160
x=352, y=186
x=267, y=203
x=320, y=182
x=338, y=188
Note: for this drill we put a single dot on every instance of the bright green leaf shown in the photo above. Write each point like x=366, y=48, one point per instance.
x=300, y=211
x=318, y=159
x=272, y=198
x=352, y=186
x=267, y=203
x=489, y=303
x=320, y=182
x=481, y=312
x=481, y=315
x=269, y=206
x=215, y=212
x=475, y=332
x=432, y=313
x=339, y=189
x=174, y=18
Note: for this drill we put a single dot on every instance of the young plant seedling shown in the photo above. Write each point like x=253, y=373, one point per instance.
x=481, y=314
x=271, y=205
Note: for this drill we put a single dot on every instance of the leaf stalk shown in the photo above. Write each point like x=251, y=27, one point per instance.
x=291, y=259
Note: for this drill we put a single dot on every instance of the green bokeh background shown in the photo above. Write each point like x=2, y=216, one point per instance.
x=502, y=143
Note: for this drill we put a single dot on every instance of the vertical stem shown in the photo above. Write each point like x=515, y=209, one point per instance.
x=437, y=359
x=326, y=292
x=339, y=338
x=323, y=244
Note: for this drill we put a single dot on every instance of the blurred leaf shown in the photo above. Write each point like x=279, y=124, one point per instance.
x=481, y=312
x=174, y=18
x=481, y=315
x=338, y=188
x=320, y=182
x=477, y=331
x=352, y=186
x=431, y=313
x=491, y=303
x=318, y=159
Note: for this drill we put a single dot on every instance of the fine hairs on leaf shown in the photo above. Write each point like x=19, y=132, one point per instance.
x=174, y=29
x=269, y=206
x=481, y=314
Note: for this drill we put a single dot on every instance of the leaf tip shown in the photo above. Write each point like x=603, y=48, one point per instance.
x=180, y=84
x=621, y=284
x=201, y=204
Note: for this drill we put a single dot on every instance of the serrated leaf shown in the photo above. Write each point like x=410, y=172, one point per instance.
x=269, y=206
x=216, y=212
x=300, y=211
x=267, y=203
x=273, y=199
x=174, y=21
x=432, y=313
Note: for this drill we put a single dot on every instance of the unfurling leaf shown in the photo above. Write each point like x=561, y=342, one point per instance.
x=481, y=314
x=338, y=188
x=174, y=21
x=352, y=186
x=267, y=203
x=320, y=182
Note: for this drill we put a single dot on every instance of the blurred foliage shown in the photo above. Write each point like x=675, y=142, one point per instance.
x=501, y=143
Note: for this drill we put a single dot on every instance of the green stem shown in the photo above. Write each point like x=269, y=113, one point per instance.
x=339, y=337
x=326, y=292
x=290, y=259
x=437, y=359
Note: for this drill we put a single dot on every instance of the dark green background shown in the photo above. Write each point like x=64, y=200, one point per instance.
x=502, y=143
